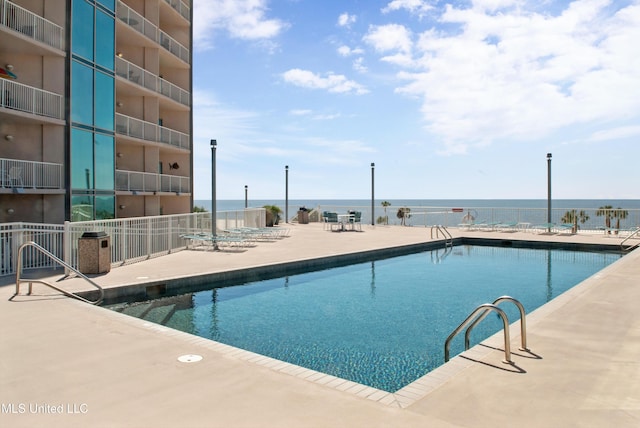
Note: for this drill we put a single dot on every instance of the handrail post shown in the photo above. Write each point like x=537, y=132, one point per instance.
x=523, y=325
x=484, y=308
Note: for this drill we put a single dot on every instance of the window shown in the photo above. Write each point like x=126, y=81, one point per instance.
x=104, y=162
x=104, y=101
x=82, y=94
x=105, y=40
x=82, y=29
x=81, y=160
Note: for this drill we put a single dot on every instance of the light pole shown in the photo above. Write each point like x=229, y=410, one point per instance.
x=286, y=193
x=246, y=199
x=214, y=220
x=373, y=165
x=549, y=189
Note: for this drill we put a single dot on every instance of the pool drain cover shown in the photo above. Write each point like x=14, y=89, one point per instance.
x=190, y=358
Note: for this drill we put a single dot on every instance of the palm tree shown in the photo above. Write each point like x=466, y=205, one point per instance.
x=619, y=214
x=386, y=204
x=606, y=212
x=572, y=217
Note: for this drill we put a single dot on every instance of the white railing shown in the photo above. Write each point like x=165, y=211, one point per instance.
x=16, y=174
x=132, y=239
x=145, y=27
x=594, y=219
x=182, y=8
x=31, y=25
x=32, y=100
x=149, y=182
x=142, y=77
x=149, y=131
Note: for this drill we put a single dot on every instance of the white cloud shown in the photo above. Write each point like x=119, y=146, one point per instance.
x=415, y=7
x=622, y=132
x=345, y=20
x=347, y=51
x=300, y=112
x=241, y=19
x=390, y=37
x=336, y=83
x=517, y=74
x=358, y=65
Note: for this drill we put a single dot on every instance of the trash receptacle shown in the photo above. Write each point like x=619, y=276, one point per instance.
x=303, y=216
x=94, y=252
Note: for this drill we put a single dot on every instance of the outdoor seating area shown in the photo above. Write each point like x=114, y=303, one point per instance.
x=237, y=239
x=335, y=222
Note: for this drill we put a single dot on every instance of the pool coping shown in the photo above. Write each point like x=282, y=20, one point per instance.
x=405, y=396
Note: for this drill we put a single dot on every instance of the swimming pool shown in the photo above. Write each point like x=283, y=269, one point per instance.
x=381, y=323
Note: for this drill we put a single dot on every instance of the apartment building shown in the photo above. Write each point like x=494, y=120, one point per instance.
x=95, y=109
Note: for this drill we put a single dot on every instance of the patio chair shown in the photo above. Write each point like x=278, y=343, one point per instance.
x=330, y=220
x=14, y=177
x=356, y=220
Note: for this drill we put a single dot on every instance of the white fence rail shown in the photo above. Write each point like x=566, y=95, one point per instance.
x=19, y=174
x=134, y=181
x=151, y=132
x=32, y=100
x=132, y=239
x=620, y=219
x=180, y=6
x=140, y=76
x=144, y=26
x=31, y=25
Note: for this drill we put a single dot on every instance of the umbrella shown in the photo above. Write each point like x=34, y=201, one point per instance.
x=6, y=74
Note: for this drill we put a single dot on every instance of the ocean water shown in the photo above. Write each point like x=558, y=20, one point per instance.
x=294, y=204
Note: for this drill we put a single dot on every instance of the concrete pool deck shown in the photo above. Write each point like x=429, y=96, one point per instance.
x=65, y=363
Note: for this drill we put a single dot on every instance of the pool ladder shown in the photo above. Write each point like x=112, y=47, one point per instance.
x=634, y=234
x=61, y=263
x=438, y=228
x=479, y=314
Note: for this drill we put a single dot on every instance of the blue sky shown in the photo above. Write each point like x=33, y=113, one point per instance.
x=449, y=99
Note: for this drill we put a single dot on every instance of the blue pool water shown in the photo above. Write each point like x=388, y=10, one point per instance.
x=381, y=323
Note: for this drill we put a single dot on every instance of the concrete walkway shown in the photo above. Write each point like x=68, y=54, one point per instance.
x=65, y=363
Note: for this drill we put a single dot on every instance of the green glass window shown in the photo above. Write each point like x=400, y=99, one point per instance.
x=105, y=207
x=82, y=94
x=104, y=162
x=82, y=29
x=109, y=4
x=105, y=40
x=81, y=159
x=104, y=101
x=81, y=208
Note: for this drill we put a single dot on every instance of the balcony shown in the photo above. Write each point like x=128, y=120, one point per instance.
x=145, y=27
x=148, y=131
x=19, y=175
x=27, y=99
x=142, y=77
x=151, y=183
x=31, y=25
x=181, y=7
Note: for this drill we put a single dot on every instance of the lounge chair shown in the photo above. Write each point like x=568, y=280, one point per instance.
x=544, y=227
x=507, y=227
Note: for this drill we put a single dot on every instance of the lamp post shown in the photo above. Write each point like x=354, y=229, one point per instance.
x=286, y=193
x=373, y=165
x=549, y=189
x=214, y=220
x=246, y=199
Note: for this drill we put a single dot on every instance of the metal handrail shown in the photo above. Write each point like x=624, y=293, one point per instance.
x=636, y=232
x=483, y=308
x=440, y=228
x=60, y=262
x=523, y=325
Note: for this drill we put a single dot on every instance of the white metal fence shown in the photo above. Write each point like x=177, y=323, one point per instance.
x=144, y=26
x=150, y=131
x=31, y=25
x=140, y=76
x=132, y=239
x=33, y=175
x=32, y=100
x=594, y=219
x=150, y=182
